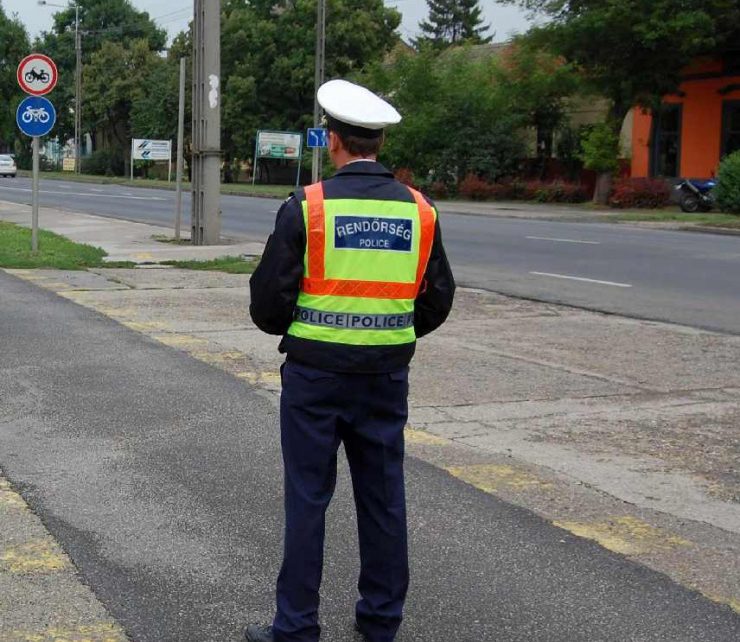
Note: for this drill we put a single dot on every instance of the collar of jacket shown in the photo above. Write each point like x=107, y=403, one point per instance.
x=364, y=168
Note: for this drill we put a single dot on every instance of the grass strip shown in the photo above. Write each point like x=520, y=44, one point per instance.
x=230, y=264
x=710, y=219
x=55, y=251
x=227, y=189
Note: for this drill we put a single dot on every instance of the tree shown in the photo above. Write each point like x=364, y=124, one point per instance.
x=101, y=22
x=453, y=22
x=268, y=49
x=115, y=79
x=632, y=52
x=13, y=47
x=457, y=120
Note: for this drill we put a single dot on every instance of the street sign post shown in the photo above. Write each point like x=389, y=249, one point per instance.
x=35, y=117
x=37, y=75
x=317, y=137
x=153, y=150
x=278, y=145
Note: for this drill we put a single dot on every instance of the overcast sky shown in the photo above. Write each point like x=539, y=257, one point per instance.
x=174, y=15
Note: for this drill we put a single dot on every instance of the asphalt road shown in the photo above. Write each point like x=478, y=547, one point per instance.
x=161, y=476
x=662, y=275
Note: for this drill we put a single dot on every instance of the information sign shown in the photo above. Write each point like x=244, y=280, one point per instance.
x=285, y=145
x=317, y=137
x=154, y=150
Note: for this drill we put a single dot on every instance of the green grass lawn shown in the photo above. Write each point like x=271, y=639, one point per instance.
x=54, y=251
x=231, y=189
x=709, y=219
x=230, y=264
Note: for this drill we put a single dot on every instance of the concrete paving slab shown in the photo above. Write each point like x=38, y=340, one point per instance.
x=577, y=432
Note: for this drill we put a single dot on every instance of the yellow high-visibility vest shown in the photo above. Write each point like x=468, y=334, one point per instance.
x=363, y=268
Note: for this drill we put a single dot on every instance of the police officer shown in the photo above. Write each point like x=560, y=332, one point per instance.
x=352, y=275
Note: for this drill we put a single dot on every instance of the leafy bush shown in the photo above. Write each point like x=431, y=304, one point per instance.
x=406, y=176
x=103, y=162
x=601, y=149
x=475, y=188
x=727, y=191
x=554, y=192
x=640, y=193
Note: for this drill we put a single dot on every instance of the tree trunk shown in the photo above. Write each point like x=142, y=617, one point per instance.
x=603, y=188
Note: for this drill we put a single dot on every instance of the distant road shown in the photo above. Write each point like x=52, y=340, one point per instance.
x=692, y=279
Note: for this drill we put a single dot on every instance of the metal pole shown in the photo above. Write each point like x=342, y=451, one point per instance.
x=35, y=197
x=180, y=150
x=132, y=160
x=318, y=81
x=78, y=93
x=206, y=212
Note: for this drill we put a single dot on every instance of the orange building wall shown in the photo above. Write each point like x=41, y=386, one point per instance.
x=701, y=129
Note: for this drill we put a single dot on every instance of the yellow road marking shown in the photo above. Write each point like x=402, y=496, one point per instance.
x=259, y=377
x=39, y=556
x=9, y=498
x=103, y=632
x=732, y=602
x=179, y=340
x=416, y=436
x=626, y=534
x=493, y=477
x=144, y=326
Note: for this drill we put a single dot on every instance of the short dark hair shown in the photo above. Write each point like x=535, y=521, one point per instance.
x=358, y=141
x=359, y=146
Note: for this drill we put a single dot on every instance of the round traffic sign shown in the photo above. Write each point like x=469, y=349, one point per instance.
x=35, y=116
x=37, y=74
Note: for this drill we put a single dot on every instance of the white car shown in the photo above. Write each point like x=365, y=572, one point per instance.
x=7, y=165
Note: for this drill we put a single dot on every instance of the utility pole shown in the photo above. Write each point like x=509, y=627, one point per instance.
x=78, y=79
x=206, y=212
x=180, y=150
x=78, y=92
x=318, y=81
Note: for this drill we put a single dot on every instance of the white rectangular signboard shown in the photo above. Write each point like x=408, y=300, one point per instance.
x=154, y=150
x=279, y=145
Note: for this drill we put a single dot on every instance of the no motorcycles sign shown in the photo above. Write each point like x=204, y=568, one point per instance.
x=37, y=74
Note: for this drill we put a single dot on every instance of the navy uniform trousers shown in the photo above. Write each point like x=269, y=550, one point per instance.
x=318, y=411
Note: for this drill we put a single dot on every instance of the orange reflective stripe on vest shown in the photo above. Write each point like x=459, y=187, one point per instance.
x=315, y=283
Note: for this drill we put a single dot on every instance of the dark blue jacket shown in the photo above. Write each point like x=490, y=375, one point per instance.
x=276, y=283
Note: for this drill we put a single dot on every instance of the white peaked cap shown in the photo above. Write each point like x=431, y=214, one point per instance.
x=356, y=105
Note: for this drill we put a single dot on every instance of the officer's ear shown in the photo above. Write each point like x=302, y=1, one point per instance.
x=335, y=142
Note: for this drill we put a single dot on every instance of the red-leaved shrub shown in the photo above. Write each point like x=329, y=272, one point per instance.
x=405, y=176
x=478, y=189
x=475, y=188
x=439, y=189
x=640, y=192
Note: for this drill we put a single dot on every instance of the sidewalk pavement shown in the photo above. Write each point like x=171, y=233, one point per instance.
x=125, y=240
x=621, y=431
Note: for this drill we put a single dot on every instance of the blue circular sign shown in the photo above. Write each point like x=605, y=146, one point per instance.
x=36, y=116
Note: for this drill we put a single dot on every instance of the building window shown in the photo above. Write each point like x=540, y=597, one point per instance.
x=731, y=127
x=666, y=152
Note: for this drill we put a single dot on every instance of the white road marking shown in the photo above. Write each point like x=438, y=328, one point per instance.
x=547, y=238
x=88, y=194
x=580, y=278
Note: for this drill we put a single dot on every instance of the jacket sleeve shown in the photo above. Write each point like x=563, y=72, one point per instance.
x=434, y=302
x=275, y=284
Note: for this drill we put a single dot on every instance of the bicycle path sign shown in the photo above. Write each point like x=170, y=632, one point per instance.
x=37, y=74
x=36, y=116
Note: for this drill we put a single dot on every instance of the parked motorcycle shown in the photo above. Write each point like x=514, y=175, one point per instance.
x=696, y=196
